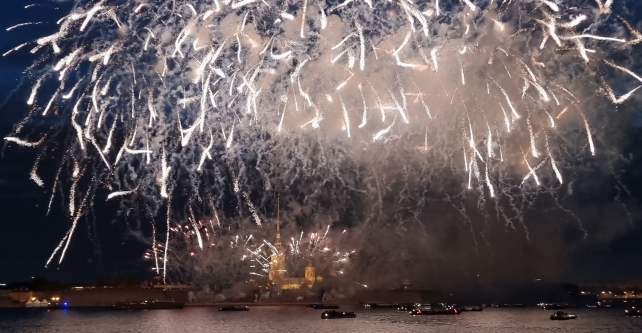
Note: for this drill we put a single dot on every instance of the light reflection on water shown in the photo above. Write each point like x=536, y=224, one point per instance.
x=300, y=319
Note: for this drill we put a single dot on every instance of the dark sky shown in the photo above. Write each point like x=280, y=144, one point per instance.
x=28, y=236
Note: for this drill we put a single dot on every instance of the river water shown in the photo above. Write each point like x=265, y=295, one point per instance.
x=301, y=319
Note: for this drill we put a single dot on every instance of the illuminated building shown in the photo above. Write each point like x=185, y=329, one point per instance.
x=278, y=275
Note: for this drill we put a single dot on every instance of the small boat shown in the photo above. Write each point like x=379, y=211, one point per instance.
x=148, y=305
x=406, y=307
x=433, y=312
x=380, y=306
x=318, y=306
x=553, y=306
x=234, y=308
x=560, y=315
x=517, y=305
x=470, y=308
x=633, y=312
x=332, y=314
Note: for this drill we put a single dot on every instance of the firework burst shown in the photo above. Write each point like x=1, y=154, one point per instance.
x=359, y=110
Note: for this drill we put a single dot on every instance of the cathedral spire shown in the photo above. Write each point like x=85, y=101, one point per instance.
x=277, y=243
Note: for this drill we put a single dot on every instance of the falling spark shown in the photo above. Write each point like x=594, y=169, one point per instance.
x=558, y=174
x=490, y=186
x=384, y=131
x=364, y=119
x=32, y=96
x=426, y=141
x=230, y=137
x=346, y=118
x=120, y=194
x=14, y=49
x=470, y=5
x=22, y=25
x=23, y=142
x=531, y=172
x=463, y=78
x=305, y=8
x=588, y=134
x=532, y=136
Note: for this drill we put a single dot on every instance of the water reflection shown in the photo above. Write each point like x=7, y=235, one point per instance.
x=300, y=319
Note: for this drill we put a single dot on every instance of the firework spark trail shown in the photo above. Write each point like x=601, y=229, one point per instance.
x=346, y=117
x=488, y=183
x=506, y=121
x=154, y=248
x=532, y=137
x=463, y=77
x=15, y=49
x=426, y=141
x=364, y=119
x=531, y=172
x=175, y=87
x=196, y=230
x=22, y=25
x=169, y=201
x=588, y=134
x=384, y=131
x=53, y=190
x=604, y=6
x=23, y=142
x=255, y=215
x=553, y=164
x=62, y=241
x=78, y=214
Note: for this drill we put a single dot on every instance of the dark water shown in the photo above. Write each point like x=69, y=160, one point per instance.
x=300, y=319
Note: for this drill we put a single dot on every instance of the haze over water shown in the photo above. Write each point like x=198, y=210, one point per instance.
x=300, y=319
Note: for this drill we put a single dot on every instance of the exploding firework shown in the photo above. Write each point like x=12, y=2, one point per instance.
x=232, y=254
x=366, y=112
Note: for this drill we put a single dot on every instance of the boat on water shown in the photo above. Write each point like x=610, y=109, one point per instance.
x=380, y=305
x=560, y=315
x=234, y=308
x=318, y=306
x=332, y=314
x=406, y=307
x=434, y=312
x=633, y=312
x=517, y=305
x=148, y=305
x=469, y=308
x=553, y=306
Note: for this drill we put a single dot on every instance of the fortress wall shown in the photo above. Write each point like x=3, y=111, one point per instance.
x=107, y=297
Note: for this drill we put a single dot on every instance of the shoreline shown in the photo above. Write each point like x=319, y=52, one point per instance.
x=219, y=304
x=189, y=305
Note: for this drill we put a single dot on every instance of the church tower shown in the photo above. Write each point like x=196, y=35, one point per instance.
x=310, y=275
x=277, y=260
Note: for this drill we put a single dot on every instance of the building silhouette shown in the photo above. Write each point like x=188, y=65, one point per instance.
x=278, y=275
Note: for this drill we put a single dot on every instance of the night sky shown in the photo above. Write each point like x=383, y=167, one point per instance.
x=28, y=236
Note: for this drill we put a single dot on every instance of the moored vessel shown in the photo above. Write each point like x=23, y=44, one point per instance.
x=148, y=305
x=560, y=315
x=406, y=307
x=553, y=306
x=432, y=312
x=318, y=306
x=633, y=312
x=332, y=314
x=470, y=308
x=380, y=305
x=233, y=308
